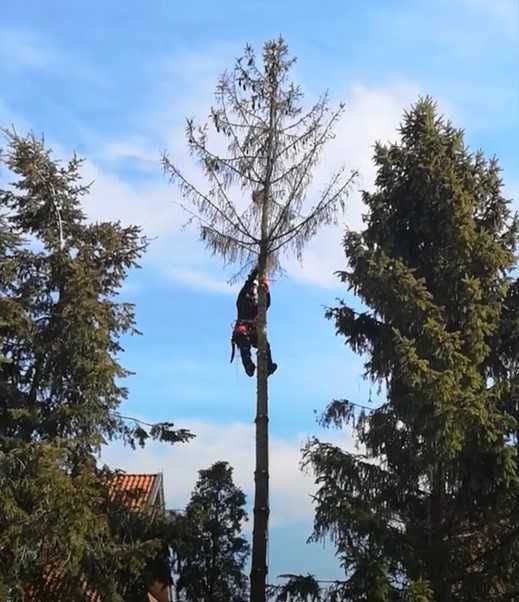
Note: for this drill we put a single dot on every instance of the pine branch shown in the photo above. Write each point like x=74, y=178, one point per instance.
x=313, y=216
x=200, y=148
x=250, y=160
x=298, y=140
x=302, y=168
x=242, y=109
x=160, y=431
x=207, y=227
x=231, y=206
x=192, y=190
x=323, y=101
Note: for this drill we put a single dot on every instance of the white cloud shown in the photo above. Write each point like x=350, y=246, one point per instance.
x=174, y=250
x=372, y=114
x=148, y=205
x=136, y=148
x=200, y=279
x=25, y=50
x=290, y=488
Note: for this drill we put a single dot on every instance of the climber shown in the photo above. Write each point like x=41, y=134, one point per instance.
x=244, y=333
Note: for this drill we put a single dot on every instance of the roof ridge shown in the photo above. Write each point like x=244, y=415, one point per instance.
x=138, y=474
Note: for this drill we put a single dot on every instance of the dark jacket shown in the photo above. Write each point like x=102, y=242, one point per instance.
x=247, y=302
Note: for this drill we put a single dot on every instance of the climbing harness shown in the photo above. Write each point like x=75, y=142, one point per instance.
x=241, y=328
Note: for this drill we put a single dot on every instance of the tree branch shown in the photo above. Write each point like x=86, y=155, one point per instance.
x=177, y=174
x=294, y=231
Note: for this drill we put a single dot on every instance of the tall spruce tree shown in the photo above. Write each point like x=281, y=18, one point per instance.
x=209, y=550
x=60, y=386
x=273, y=145
x=428, y=508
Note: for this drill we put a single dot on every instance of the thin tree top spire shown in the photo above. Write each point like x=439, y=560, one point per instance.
x=272, y=145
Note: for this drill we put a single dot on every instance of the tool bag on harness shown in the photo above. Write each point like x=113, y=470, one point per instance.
x=242, y=328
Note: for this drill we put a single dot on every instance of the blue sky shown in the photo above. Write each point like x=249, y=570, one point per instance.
x=114, y=81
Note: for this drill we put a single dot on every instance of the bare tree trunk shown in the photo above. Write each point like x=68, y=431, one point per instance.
x=259, y=567
x=439, y=557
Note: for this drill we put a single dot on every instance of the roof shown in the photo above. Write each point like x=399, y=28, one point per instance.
x=90, y=594
x=52, y=586
x=137, y=491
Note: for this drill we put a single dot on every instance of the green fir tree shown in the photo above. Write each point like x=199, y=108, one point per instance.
x=60, y=389
x=428, y=508
x=210, y=552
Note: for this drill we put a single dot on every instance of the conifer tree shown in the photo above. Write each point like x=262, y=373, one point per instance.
x=428, y=508
x=60, y=383
x=297, y=588
x=272, y=147
x=209, y=550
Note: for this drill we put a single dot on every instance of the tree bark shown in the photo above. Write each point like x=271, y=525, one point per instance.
x=259, y=568
x=439, y=557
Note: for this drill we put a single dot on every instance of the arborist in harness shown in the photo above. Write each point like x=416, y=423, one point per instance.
x=244, y=334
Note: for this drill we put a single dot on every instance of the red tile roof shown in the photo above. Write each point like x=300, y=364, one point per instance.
x=138, y=492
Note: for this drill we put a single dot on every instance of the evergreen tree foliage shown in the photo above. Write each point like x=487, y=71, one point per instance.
x=209, y=551
x=60, y=386
x=428, y=508
x=298, y=588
